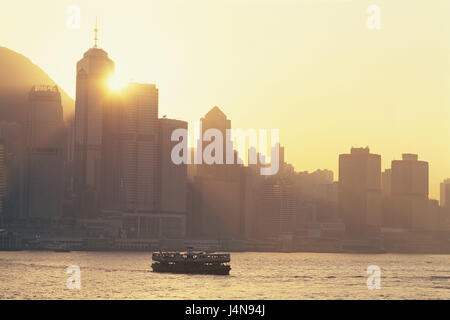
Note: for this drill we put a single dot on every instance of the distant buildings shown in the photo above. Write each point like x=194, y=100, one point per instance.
x=116, y=171
x=360, y=191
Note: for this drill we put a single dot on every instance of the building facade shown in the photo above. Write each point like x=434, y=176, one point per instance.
x=445, y=194
x=360, y=191
x=409, y=191
x=45, y=157
x=93, y=72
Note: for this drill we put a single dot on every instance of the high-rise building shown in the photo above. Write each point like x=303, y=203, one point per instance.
x=445, y=194
x=409, y=176
x=276, y=209
x=215, y=120
x=45, y=158
x=93, y=72
x=219, y=191
x=139, y=141
x=409, y=190
x=139, y=179
x=2, y=179
x=12, y=137
x=173, y=177
x=360, y=191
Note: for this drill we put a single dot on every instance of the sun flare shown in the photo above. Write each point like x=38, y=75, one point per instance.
x=116, y=83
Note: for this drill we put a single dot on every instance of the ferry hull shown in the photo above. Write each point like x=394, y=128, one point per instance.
x=191, y=269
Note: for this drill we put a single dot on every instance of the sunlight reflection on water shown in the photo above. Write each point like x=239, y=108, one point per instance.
x=114, y=275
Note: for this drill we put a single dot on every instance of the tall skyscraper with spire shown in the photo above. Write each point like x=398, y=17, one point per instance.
x=93, y=71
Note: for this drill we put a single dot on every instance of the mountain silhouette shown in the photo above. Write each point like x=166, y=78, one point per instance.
x=17, y=76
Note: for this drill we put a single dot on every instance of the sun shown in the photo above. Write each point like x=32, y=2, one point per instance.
x=116, y=83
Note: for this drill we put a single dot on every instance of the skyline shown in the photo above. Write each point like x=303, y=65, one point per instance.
x=378, y=124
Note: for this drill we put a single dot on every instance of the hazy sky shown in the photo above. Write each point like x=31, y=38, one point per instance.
x=311, y=68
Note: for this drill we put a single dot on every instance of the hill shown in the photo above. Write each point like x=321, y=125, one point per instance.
x=17, y=76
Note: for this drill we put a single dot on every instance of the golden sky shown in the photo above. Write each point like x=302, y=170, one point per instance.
x=310, y=68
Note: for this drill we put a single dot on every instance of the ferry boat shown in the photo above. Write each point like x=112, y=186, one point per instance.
x=191, y=262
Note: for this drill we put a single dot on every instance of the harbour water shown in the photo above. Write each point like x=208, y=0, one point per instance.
x=127, y=275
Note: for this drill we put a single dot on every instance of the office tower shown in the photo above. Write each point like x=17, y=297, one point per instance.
x=219, y=191
x=360, y=191
x=173, y=177
x=93, y=71
x=2, y=179
x=13, y=139
x=139, y=140
x=409, y=176
x=139, y=180
x=276, y=209
x=216, y=120
x=45, y=159
x=218, y=206
x=409, y=189
x=445, y=194
x=112, y=184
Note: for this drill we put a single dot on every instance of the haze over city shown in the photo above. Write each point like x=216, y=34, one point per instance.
x=225, y=149
x=312, y=70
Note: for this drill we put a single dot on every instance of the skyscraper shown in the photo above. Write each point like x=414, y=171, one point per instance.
x=216, y=120
x=219, y=191
x=93, y=71
x=173, y=178
x=45, y=159
x=276, y=206
x=2, y=179
x=139, y=179
x=409, y=189
x=445, y=194
x=360, y=190
x=12, y=137
x=409, y=176
x=139, y=135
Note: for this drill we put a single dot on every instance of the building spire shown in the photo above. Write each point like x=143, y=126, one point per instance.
x=96, y=33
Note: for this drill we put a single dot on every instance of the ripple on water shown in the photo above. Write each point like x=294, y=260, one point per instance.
x=109, y=275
